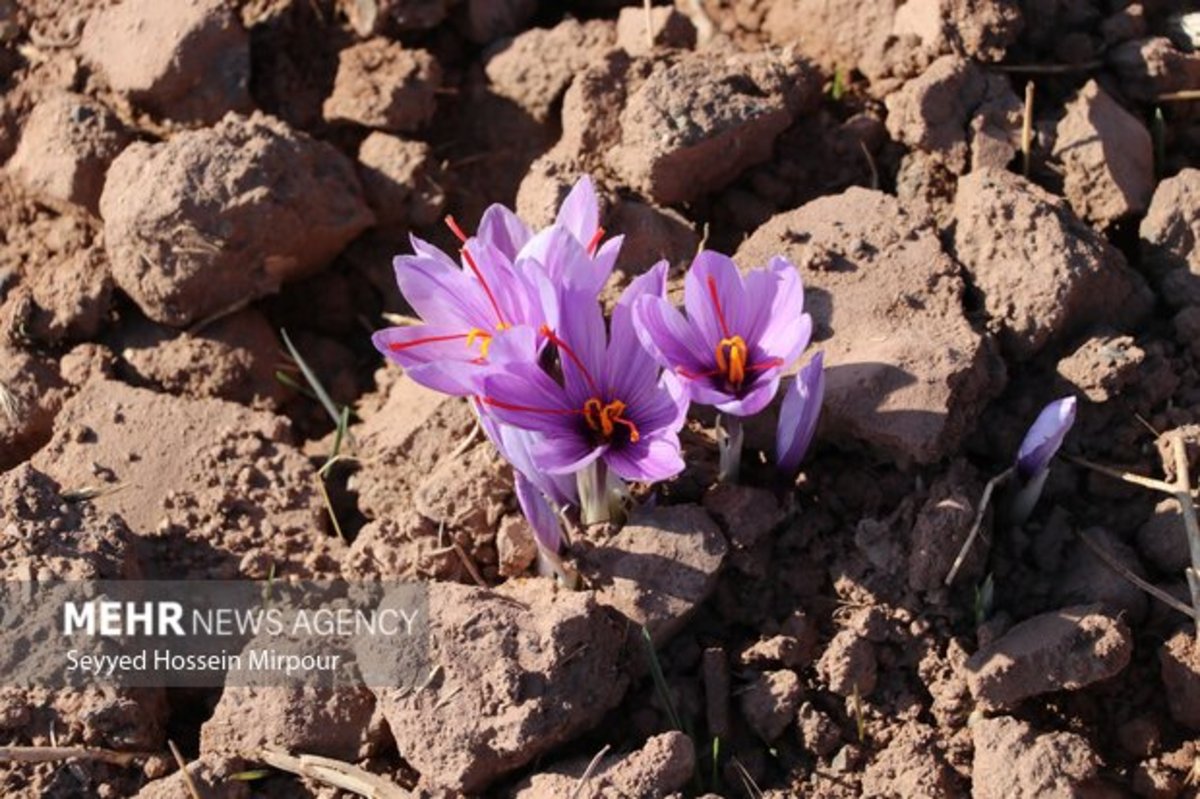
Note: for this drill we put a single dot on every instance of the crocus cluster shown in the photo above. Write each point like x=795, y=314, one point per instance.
x=579, y=404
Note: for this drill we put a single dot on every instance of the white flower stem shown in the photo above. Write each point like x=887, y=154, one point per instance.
x=1026, y=498
x=730, y=437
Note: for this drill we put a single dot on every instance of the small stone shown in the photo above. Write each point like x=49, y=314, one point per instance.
x=402, y=181
x=769, y=703
x=664, y=27
x=1179, y=659
x=664, y=764
x=384, y=85
x=1012, y=760
x=535, y=68
x=1169, y=232
x=819, y=734
x=221, y=215
x=658, y=568
x=67, y=144
x=1066, y=650
x=1102, y=366
x=848, y=665
x=1108, y=157
x=515, y=546
x=188, y=61
x=694, y=125
x=1044, y=274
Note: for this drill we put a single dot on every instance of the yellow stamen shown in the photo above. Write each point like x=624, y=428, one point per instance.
x=485, y=340
x=731, y=359
x=603, y=419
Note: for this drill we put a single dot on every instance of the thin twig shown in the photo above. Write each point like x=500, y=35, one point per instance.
x=187, y=778
x=870, y=164
x=1048, y=69
x=334, y=772
x=337, y=526
x=649, y=27
x=1187, y=508
x=1181, y=96
x=1123, y=570
x=587, y=773
x=1027, y=130
x=467, y=442
x=48, y=754
x=978, y=523
x=469, y=564
x=1128, y=477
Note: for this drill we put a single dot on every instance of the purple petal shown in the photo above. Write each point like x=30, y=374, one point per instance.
x=427, y=250
x=780, y=328
x=504, y=230
x=1045, y=437
x=566, y=454
x=582, y=346
x=715, y=298
x=442, y=294
x=630, y=368
x=798, y=415
x=542, y=518
x=524, y=396
x=580, y=212
x=518, y=447
x=652, y=459
x=759, y=395
x=673, y=340
x=604, y=260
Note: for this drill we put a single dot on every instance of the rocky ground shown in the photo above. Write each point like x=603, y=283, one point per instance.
x=183, y=179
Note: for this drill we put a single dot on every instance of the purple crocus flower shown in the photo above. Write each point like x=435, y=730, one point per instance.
x=1035, y=453
x=463, y=310
x=517, y=447
x=738, y=336
x=1045, y=437
x=612, y=404
x=799, y=414
x=576, y=232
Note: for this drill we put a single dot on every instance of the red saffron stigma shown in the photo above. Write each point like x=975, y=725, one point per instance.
x=712, y=290
x=508, y=406
x=455, y=229
x=594, y=244
x=564, y=347
x=486, y=288
x=399, y=346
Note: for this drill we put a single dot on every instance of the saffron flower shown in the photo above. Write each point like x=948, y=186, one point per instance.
x=738, y=336
x=576, y=230
x=1037, y=449
x=462, y=310
x=798, y=416
x=612, y=407
x=508, y=277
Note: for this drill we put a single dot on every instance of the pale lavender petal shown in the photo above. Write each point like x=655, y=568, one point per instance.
x=580, y=212
x=456, y=379
x=781, y=329
x=1045, y=437
x=542, y=518
x=715, y=297
x=652, y=459
x=524, y=396
x=752, y=400
x=427, y=250
x=504, y=230
x=604, y=260
x=672, y=339
x=798, y=415
x=630, y=368
x=582, y=348
x=442, y=294
x=517, y=446
x=566, y=454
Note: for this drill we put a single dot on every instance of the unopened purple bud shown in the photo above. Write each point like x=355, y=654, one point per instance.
x=1045, y=437
x=799, y=414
